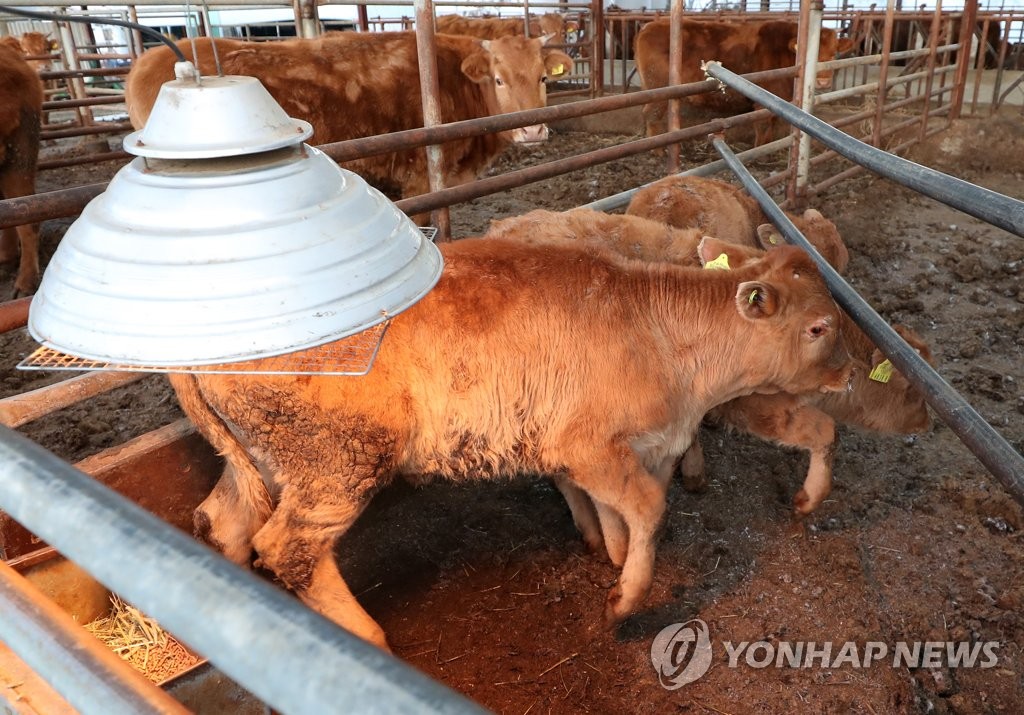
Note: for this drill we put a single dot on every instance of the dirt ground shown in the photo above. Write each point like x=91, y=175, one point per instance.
x=488, y=587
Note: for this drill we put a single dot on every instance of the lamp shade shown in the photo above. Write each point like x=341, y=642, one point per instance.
x=184, y=261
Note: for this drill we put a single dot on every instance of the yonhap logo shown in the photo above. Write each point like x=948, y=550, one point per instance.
x=681, y=653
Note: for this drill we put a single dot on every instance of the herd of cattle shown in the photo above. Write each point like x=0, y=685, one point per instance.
x=682, y=309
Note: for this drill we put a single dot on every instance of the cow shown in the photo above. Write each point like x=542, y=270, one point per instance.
x=803, y=421
x=350, y=85
x=523, y=359
x=725, y=211
x=491, y=28
x=21, y=106
x=740, y=47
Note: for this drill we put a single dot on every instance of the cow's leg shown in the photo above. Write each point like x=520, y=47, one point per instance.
x=616, y=533
x=692, y=468
x=783, y=418
x=584, y=514
x=225, y=522
x=24, y=238
x=297, y=543
x=618, y=482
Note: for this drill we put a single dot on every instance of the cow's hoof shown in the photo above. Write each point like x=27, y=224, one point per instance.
x=613, y=608
x=695, y=483
x=803, y=504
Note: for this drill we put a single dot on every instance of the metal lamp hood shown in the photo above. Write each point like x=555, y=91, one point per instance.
x=200, y=252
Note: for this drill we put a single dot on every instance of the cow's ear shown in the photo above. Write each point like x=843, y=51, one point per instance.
x=557, y=63
x=756, y=300
x=711, y=249
x=844, y=45
x=769, y=237
x=477, y=67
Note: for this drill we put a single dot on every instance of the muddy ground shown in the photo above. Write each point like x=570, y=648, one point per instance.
x=488, y=587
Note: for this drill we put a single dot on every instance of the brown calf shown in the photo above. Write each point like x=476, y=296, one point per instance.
x=352, y=84
x=21, y=104
x=726, y=211
x=523, y=359
x=804, y=421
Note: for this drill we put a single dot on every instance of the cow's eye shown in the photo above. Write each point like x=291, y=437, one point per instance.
x=499, y=81
x=544, y=79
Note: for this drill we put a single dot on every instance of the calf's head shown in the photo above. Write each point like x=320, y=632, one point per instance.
x=819, y=231
x=794, y=323
x=515, y=72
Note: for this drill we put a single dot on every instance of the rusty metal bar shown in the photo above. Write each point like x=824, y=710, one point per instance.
x=426, y=55
x=14, y=314
x=28, y=406
x=79, y=160
x=512, y=179
x=1000, y=64
x=101, y=128
x=70, y=103
x=883, y=70
x=69, y=74
x=89, y=675
x=964, y=56
x=1002, y=211
x=987, y=445
x=290, y=657
x=675, y=73
x=52, y=204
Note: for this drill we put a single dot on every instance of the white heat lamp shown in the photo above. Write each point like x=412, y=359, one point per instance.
x=225, y=241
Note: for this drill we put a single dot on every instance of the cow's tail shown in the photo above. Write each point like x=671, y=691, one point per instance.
x=249, y=486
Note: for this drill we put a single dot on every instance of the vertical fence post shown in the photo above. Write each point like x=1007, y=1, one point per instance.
x=1004, y=43
x=963, y=58
x=597, y=49
x=307, y=20
x=427, y=56
x=883, y=72
x=808, y=44
x=675, y=69
x=933, y=42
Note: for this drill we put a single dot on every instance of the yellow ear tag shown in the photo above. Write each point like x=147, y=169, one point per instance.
x=752, y=297
x=773, y=239
x=719, y=264
x=881, y=372
x=558, y=69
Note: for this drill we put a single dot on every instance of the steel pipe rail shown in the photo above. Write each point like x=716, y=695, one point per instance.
x=287, y=655
x=999, y=210
x=521, y=177
x=89, y=675
x=987, y=445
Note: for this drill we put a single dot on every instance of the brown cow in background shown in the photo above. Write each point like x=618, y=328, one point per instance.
x=350, y=85
x=522, y=360
x=741, y=47
x=21, y=103
x=491, y=28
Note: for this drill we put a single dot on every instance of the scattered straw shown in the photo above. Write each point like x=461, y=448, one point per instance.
x=141, y=641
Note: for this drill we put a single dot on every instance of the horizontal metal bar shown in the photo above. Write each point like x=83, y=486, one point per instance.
x=90, y=676
x=287, y=655
x=621, y=199
x=84, y=159
x=100, y=128
x=14, y=314
x=521, y=177
x=17, y=410
x=987, y=445
x=1002, y=211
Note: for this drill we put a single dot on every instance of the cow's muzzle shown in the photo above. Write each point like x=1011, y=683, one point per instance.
x=530, y=135
x=823, y=82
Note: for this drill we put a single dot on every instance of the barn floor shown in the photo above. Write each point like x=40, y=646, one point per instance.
x=488, y=588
